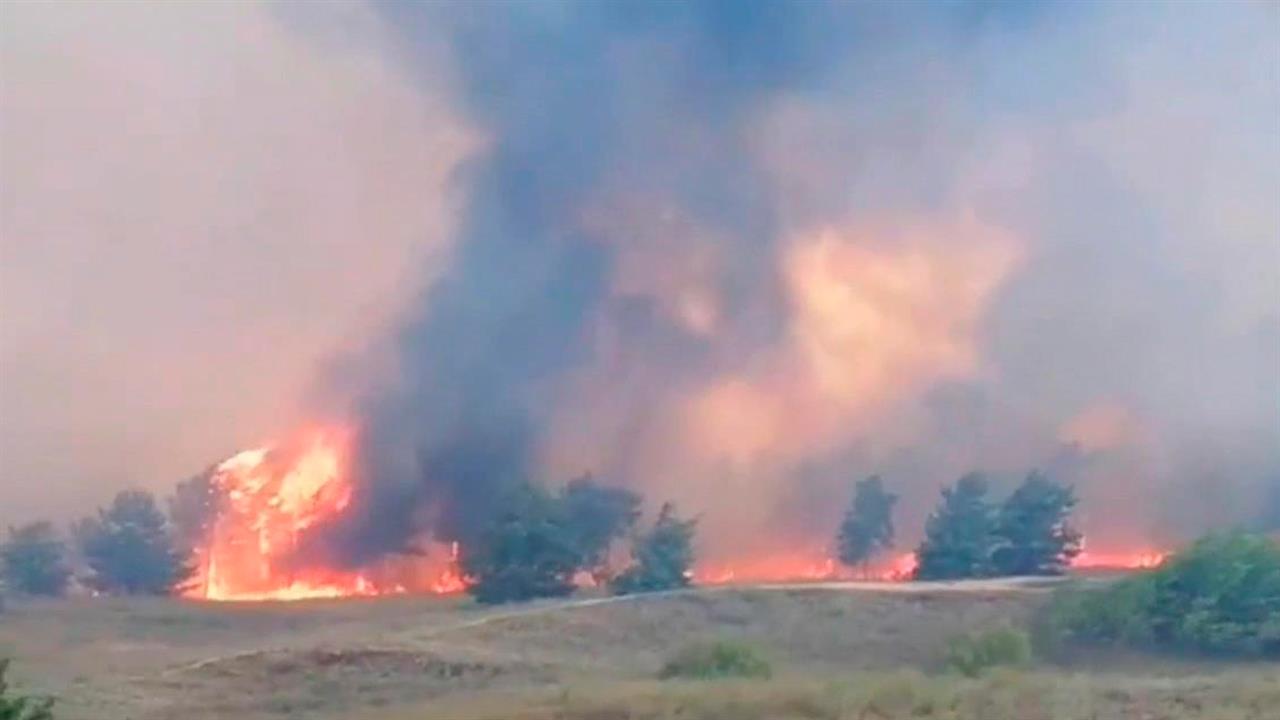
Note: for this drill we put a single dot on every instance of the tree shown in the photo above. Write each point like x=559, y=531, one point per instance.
x=130, y=549
x=193, y=508
x=1032, y=534
x=33, y=560
x=661, y=558
x=958, y=534
x=598, y=516
x=867, y=527
x=527, y=551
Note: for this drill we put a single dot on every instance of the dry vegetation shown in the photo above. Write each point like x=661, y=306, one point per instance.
x=1247, y=695
x=835, y=652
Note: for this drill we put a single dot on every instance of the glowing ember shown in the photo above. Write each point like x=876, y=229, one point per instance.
x=267, y=499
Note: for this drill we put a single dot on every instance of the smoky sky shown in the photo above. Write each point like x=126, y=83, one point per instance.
x=742, y=255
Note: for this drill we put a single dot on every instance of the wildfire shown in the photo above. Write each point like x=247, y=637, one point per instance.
x=804, y=567
x=898, y=568
x=267, y=498
x=1131, y=560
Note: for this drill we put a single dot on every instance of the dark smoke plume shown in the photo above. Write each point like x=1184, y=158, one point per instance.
x=750, y=252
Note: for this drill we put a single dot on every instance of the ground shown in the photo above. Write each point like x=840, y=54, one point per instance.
x=839, y=651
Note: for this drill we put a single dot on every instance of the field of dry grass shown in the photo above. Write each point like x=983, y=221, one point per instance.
x=839, y=652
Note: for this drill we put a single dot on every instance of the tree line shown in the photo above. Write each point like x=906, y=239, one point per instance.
x=968, y=535
x=545, y=542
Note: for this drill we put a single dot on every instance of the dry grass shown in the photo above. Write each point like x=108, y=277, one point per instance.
x=408, y=658
x=905, y=695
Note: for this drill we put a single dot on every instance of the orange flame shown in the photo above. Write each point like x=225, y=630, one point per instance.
x=268, y=498
x=1126, y=560
x=803, y=567
x=815, y=567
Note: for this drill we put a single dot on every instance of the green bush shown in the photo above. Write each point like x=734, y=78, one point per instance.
x=720, y=659
x=21, y=707
x=1221, y=596
x=973, y=654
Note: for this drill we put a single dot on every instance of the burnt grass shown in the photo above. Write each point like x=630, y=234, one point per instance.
x=834, y=651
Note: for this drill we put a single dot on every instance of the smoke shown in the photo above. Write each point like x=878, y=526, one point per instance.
x=201, y=202
x=739, y=257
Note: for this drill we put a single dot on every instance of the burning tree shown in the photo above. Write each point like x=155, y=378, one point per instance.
x=1032, y=534
x=129, y=547
x=867, y=527
x=958, y=535
x=661, y=558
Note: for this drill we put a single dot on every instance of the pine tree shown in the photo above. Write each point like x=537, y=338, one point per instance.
x=661, y=558
x=959, y=533
x=1032, y=534
x=33, y=560
x=193, y=509
x=130, y=549
x=527, y=551
x=867, y=527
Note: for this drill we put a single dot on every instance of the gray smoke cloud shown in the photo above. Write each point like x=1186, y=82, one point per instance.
x=742, y=256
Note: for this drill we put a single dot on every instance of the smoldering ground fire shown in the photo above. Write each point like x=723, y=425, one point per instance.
x=738, y=260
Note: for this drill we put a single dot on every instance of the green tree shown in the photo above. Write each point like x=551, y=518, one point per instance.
x=34, y=560
x=867, y=527
x=21, y=707
x=130, y=549
x=527, y=551
x=661, y=558
x=598, y=516
x=1032, y=534
x=193, y=508
x=958, y=535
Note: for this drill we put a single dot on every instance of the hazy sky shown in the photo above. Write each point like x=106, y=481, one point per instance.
x=201, y=203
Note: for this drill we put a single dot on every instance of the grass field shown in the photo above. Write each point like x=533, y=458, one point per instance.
x=838, y=652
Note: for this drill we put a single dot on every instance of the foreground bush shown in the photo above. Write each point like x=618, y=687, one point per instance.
x=21, y=707
x=973, y=654
x=1221, y=596
x=721, y=659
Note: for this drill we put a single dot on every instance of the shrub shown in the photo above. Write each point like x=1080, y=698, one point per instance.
x=720, y=659
x=1220, y=596
x=21, y=707
x=973, y=654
